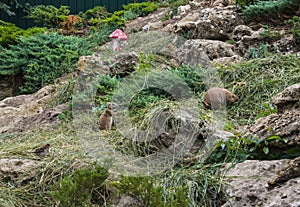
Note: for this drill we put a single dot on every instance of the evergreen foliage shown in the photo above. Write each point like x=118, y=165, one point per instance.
x=270, y=9
x=7, y=7
x=42, y=58
x=9, y=33
x=295, y=30
x=48, y=15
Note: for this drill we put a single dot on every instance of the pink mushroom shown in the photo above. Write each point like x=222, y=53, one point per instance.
x=117, y=35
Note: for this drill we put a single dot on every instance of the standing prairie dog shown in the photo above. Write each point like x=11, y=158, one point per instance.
x=217, y=98
x=106, y=118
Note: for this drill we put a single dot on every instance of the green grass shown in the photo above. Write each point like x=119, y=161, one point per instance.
x=256, y=82
x=65, y=157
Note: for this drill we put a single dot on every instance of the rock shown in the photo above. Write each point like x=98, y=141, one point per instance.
x=285, y=123
x=26, y=112
x=209, y=23
x=227, y=60
x=18, y=171
x=192, y=54
x=127, y=201
x=199, y=51
x=125, y=63
x=183, y=9
x=288, y=99
x=285, y=174
x=247, y=184
x=118, y=64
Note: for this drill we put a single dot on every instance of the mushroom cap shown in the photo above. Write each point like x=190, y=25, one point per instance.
x=118, y=34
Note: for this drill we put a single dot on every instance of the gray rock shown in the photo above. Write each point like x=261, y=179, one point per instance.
x=285, y=123
x=200, y=51
x=209, y=23
x=248, y=185
x=288, y=99
x=27, y=112
x=18, y=171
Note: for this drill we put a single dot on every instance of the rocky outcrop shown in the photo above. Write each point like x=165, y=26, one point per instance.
x=26, y=112
x=119, y=64
x=251, y=183
x=285, y=123
x=209, y=23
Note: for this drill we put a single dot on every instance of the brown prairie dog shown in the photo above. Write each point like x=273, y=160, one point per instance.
x=106, y=118
x=217, y=98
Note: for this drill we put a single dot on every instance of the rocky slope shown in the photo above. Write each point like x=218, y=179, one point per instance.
x=208, y=30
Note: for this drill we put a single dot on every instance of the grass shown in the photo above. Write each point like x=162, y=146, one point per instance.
x=256, y=82
x=65, y=157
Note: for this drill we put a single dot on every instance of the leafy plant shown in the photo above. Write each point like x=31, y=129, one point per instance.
x=98, y=12
x=263, y=51
x=42, y=58
x=99, y=35
x=238, y=149
x=78, y=189
x=295, y=30
x=105, y=88
x=48, y=15
x=269, y=109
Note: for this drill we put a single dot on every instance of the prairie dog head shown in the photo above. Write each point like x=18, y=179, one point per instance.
x=112, y=106
x=230, y=97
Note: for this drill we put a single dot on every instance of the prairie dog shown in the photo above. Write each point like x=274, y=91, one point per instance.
x=106, y=118
x=217, y=98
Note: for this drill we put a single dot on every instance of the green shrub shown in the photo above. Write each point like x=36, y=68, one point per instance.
x=48, y=15
x=9, y=33
x=98, y=12
x=269, y=34
x=144, y=190
x=42, y=58
x=99, y=35
x=295, y=30
x=77, y=190
x=270, y=9
x=141, y=9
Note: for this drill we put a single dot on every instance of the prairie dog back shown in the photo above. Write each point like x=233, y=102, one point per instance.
x=217, y=98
